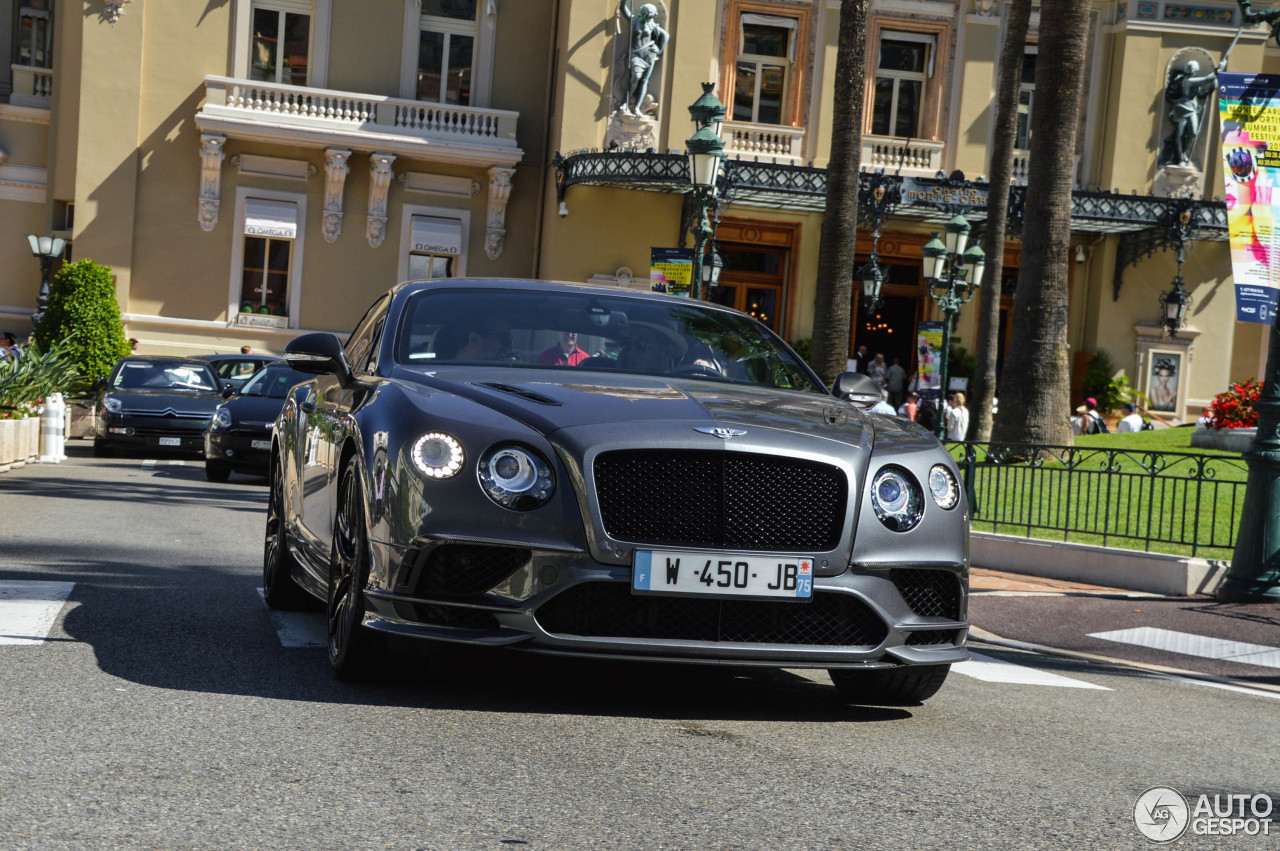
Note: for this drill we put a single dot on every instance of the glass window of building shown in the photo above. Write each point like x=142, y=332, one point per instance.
x=34, y=43
x=904, y=66
x=270, y=228
x=281, y=42
x=436, y=245
x=767, y=47
x=1026, y=97
x=446, y=51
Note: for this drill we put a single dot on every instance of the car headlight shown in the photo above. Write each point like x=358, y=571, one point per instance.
x=516, y=478
x=437, y=455
x=111, y=404
x=896, y=498
x=222, y=418
x=944, y=487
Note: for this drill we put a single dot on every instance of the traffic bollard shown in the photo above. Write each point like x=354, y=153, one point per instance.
x=51, y=430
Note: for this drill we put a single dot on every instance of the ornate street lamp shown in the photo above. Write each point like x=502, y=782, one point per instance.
x=953, y=271
x=1174, y=301
x=712, y=263
x=47, y=249
x=706, y=154
x=872, y=278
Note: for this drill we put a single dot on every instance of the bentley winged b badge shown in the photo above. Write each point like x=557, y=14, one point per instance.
x=721, y=431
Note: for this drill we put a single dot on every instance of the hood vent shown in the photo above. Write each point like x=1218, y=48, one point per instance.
x=522, y=393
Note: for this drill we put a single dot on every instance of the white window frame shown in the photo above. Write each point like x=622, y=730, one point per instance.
x=930, y=42
x=408, y=211
x=1030, y=90
x=243, y=194
x=484, y=29
x=321, y=12
x=792, y=28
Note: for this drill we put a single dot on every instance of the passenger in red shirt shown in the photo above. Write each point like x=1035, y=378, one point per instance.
x=565, y=353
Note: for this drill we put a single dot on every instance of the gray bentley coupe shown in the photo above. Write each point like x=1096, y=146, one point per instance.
x=598, y=472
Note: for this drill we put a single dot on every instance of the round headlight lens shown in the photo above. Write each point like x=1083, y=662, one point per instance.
x=222, y=418
x=944, y=487
x=896, y=499
x=437, y=455
x=516, y=478
x=112, y=404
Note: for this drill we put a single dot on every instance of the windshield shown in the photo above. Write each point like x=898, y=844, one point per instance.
x=238, y=369
x=571, y=331
x=146, y=375
x=273, y=382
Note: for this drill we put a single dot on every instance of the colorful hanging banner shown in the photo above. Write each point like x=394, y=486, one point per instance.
x=1249, y=105
x=929, y=359
x=671, y=270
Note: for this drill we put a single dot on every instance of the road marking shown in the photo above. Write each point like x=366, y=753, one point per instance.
x=298, y=629
x=992, y=670
x=151, y=462
x=28, y=610
x=1189, y=644
x=1224, y=686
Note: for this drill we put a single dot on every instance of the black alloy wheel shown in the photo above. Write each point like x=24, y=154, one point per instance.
x=217, y=471
x=278, y=586
x=906, y=686
x=353, y=649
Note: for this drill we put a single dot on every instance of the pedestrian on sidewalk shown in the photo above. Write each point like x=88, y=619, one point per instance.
x=895, y=378
x=957, y=417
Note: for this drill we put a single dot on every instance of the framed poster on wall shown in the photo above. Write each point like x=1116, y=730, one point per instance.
x=1165, y=381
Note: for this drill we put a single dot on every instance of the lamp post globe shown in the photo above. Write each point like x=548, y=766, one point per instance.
x=46, y=249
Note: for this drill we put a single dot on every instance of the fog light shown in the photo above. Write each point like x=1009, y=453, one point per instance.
x=547, y=575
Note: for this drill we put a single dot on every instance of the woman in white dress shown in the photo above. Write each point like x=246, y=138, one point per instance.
x=957, y=417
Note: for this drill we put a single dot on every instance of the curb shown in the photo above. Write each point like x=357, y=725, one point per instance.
x=991, y=638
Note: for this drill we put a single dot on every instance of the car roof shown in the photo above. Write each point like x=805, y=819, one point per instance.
x=237, y=356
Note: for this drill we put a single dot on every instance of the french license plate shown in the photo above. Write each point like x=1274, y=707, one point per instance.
x=722, y=575
x=170, y=441
x=259, y=444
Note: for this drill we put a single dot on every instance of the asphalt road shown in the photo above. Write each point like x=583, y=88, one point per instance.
x=164, y=711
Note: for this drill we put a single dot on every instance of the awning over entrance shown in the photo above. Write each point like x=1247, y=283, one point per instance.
x=276, y=219
x=433, y=235
x=929, y=200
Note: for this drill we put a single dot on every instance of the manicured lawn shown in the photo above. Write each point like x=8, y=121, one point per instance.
x=1111, y=490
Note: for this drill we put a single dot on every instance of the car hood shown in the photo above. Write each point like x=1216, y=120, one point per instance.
x=549, y=404
x=253, y=411
x=159, y=401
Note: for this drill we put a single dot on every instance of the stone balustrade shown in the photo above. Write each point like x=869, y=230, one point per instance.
x=31, y=86
x=766, y=142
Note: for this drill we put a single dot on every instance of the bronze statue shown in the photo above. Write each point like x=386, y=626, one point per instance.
x=648, y=40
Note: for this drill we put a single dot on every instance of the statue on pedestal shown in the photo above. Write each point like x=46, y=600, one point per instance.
x=648, y=41
x=1186, y=92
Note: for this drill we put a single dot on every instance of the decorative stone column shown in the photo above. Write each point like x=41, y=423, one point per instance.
x=335, y=178
x=379, y=182
x=495, y=225
x=211, y=156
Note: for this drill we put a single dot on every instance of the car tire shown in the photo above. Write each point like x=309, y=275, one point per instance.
x=279, y=588
x=906, y=686
x=355, y=652
x=102, y=449
x=217, y=471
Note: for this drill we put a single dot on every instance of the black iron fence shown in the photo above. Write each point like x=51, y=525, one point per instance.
x=1175, y=502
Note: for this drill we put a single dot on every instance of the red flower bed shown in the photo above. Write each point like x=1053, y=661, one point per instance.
x=1234, y=408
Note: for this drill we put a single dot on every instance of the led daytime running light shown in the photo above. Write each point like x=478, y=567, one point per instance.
x=437, y=455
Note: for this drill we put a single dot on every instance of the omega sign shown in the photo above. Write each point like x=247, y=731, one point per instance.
x=435, y=248
x=269, y=230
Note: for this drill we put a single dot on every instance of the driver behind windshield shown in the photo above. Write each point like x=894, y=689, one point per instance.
x=565, y=352
x=487, y=340
x=651, y=347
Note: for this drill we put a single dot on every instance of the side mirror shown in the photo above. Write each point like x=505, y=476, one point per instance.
x=319, y=354
x=856, y=388
x=228, y=390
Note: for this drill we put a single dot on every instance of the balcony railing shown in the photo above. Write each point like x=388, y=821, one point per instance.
x=910, y=157
x=277, y=109
x=766, y=142
x=31, y=86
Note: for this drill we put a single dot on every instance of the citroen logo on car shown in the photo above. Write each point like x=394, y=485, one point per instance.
x=721, y=432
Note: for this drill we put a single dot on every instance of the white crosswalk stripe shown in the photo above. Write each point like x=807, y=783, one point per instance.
x=991, y=670
x=151, y=463
x=29, y=609
x=298, y=629
x=1189, y=644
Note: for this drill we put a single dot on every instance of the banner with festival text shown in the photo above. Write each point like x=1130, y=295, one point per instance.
x=1249, y=105
x=929, y=359
x=671, y=270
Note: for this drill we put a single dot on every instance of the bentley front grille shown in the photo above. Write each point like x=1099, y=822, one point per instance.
x=719, y=499
x=610, y=610
x=929, y=593
x=460, y=569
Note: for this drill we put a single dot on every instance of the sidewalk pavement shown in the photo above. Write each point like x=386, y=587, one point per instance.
x=1192, y=636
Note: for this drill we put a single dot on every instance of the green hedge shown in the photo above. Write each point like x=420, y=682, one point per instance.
x=84, y=313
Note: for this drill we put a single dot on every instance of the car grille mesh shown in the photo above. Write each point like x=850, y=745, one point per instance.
x=462, y=569
x=929, y=593
x=720, y=499
x=931, y=638
x=610, y=610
